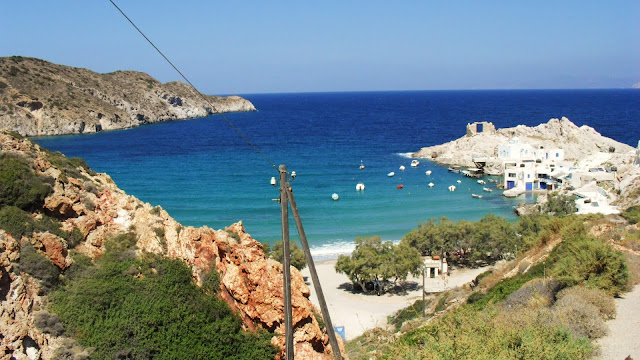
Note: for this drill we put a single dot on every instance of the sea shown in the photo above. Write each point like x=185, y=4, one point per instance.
x=203, y=173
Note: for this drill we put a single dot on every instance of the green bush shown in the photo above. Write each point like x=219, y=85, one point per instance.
x=38, y=266
x=602, y=301
x=469, y=334
x=632, y=214
x=161, y=314
x=586, y=260
x=3, y=85
x=16, y=221
x=19, y=185
x=580, y=317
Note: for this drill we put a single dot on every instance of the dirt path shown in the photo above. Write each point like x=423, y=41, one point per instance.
x=624, y=331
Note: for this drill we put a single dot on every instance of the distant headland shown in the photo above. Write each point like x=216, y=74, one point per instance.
x=40, y=98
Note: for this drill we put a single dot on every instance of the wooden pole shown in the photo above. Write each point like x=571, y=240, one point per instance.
x=286, y=264
x=314, y=276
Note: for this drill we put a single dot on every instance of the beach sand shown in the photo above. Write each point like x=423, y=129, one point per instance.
x=358, y=312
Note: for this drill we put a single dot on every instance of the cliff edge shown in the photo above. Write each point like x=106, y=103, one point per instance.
x=40, y=98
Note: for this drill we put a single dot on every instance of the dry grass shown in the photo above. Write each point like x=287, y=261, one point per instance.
x=598, y=298
x=535, y=294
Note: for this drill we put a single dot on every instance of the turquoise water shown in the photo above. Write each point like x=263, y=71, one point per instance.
x=202, y=173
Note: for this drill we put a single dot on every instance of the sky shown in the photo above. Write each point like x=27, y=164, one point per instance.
x=247, y=47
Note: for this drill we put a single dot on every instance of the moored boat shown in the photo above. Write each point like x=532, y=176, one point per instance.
x=415, y=163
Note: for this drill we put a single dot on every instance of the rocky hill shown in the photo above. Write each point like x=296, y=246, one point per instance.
x=89, y=208
x=577, y=142
x=41, y=98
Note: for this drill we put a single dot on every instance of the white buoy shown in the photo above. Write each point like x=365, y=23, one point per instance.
x=428, y=172
x=391, y=174
x=401, y=168
x=452, y=188
x=335, y=196
x=430, y=184
x=359, y=187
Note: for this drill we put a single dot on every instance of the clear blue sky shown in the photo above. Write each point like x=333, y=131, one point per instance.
x=297, y=46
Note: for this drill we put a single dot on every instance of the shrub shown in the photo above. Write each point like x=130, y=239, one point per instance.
x=38, y=266
x=632, y=214
x=19, y=185
x=16, y=222
x=598, y=298
x=535, y=293
x=48, y=323
x=161, y=314
x=586, y=260
x=579, y=317
x=3, y=85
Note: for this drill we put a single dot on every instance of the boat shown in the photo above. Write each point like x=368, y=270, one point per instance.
x=401, y=167
x=487, y=189
x=361, y=165
x=459, y=181
x=400, y=186
x=454, y=169
x=415, y=163
x=335, y=196
x=477, y=196
x=359, y=187
x=428, y=172
x=430, y=184
x=391, y=174
x=452, y=188
x=482, y=182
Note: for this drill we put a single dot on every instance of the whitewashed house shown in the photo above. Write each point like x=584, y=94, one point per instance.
x=527, y=168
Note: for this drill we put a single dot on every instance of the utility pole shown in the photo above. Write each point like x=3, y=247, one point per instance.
x=286, y=264
x=286, y=197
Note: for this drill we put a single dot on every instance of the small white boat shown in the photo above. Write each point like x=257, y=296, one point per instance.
x=430, y=184
x=428, y=172
x=452, y=188
x=361, y=165
x=487, y=189
x=459, y=181
x=335, y=196
x=482, y=182
x=359, y=187
x=415, y=163
x=401, y=167
x=391, y=174
x=477, y=196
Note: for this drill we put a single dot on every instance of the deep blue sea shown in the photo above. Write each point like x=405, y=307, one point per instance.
x=203, y=173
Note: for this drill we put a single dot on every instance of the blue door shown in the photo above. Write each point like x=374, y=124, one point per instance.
x=543, y=185
x=529, y=186
x=510, y=184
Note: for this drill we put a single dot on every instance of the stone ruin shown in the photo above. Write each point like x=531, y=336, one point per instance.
x=480, y=127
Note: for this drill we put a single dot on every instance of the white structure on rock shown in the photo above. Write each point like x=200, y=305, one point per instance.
x=527, y=168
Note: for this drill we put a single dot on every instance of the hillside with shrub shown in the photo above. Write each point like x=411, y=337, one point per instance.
x=87, y=271
x=41, y=98
x=550, y=302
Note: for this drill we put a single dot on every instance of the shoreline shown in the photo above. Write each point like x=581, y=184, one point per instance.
x=358, y=312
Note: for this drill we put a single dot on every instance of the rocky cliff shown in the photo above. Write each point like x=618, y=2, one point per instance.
x=577, y=142
x=40, y=98
x=91, y=205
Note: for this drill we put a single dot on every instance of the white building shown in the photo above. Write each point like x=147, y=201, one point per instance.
x=527, y=168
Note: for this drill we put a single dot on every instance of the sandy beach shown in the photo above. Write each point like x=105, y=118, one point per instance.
x=358, y=312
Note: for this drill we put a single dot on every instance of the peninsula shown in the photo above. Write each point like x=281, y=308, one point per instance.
x=580, y=148
x=39, y=98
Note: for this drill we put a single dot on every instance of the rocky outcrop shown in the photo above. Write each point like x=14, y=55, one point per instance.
x=40, y=98
x=250, y=283
x=577, y=142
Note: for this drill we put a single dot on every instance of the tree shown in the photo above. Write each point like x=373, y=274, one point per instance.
x=297, y=259
x=375, y=261
x=560, y=205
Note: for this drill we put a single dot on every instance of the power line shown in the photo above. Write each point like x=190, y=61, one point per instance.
x=197, y=91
